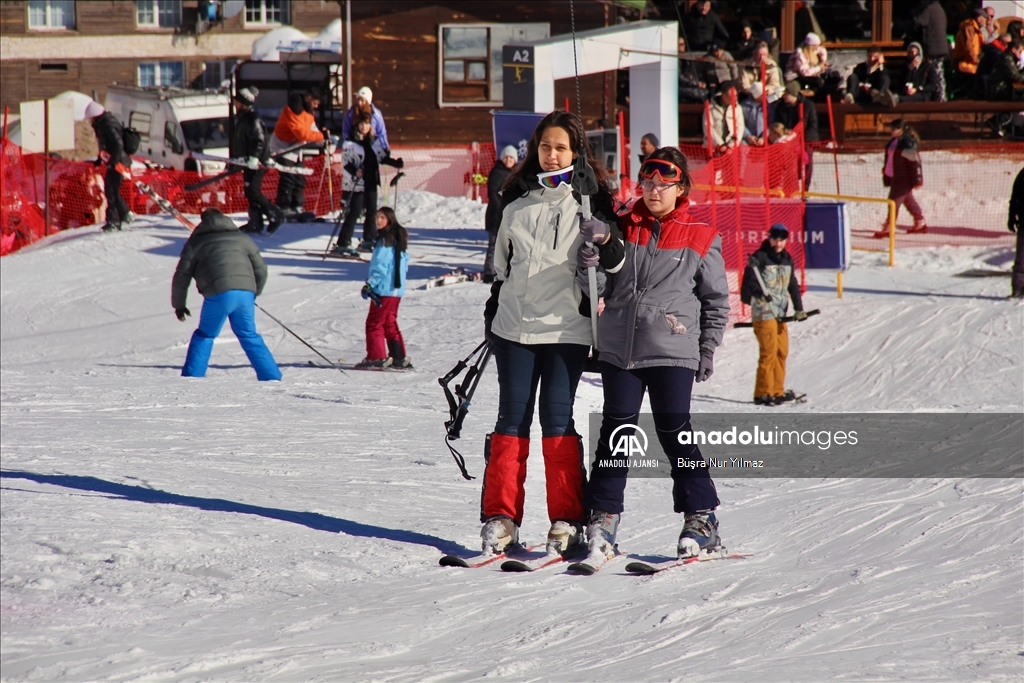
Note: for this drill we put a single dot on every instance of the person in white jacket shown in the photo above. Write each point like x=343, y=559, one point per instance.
x=536, y=322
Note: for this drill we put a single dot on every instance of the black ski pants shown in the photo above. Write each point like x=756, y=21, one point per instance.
x=259, y=205
x=291, y=188
x=669, y=389
x=354, y=206
x=370, y=224
x=117, y=208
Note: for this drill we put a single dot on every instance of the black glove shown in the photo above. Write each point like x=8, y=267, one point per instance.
x=182, y=313
x=588, y=257
x=399, y=163
x=705, y=368
x=800, y=315
x=593, y=230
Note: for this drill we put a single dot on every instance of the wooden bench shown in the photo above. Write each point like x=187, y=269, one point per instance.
x=873, y=120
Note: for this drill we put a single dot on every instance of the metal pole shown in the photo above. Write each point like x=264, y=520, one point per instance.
x=46, y=167
x=348, y=54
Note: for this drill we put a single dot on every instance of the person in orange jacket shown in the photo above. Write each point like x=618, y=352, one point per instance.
x=296, y=125
x=967, y=50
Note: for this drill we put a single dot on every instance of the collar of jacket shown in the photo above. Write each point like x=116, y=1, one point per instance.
x=676, y=230
x=776, y=257
x=215, y=223
x=548, y=195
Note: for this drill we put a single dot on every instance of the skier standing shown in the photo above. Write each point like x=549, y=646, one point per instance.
x=110, y=138
x=230, y=274
x=902, y=174
x=492, y=219
x=385, y=287
x=537, y=326
x=767, y=280
x=250, y=141
x=665, y=313
x=295, y=126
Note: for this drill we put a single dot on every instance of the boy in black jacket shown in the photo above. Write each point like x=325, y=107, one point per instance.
x=767, y=281
x=110, y=138
x=250, y=141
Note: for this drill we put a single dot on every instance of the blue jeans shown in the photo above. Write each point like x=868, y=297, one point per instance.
x=239, y=308
x=556, y=368
x=669, y=388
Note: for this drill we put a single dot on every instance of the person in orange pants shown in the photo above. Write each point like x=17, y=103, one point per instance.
x=767, y=281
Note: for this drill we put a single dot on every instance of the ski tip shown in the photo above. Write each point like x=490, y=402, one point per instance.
x=453, y=561
x=640, y=568
x=515, y=566
x=580, y=568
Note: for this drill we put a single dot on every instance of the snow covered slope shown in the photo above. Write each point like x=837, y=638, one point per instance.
x=162, y=528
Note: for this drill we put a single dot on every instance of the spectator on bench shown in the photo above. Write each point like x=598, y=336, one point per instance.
x=870, y=82
x=773, y=74
x=1006, y=72
x=808, y=64
x=692, y=85
x=726, y=120
x=922, y=83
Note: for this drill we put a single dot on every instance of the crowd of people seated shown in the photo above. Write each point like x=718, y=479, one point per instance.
x=986, y=61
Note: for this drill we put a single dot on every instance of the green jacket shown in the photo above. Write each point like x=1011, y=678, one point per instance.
x=220, y=259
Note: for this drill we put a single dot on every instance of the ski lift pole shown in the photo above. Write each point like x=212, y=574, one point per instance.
x=588, y=172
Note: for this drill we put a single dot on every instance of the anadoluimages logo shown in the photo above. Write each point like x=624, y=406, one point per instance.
x=631, y=444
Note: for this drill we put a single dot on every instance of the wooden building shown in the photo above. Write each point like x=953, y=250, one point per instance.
x=429, y=64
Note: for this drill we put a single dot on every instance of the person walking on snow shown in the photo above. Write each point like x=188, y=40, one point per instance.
x=230, y=274
x=110, y=138
x=1015, y=223
x=902, y=174
x=250, y=141
x=666, y=309
x=297, y=124
x=767, y=280
x=385, y=287
x=492, y=218
x=536, y=322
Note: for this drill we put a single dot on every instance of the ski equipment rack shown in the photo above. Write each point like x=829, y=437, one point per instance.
x=459, y=402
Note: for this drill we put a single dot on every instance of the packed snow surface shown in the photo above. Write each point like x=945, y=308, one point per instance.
x=160, y=528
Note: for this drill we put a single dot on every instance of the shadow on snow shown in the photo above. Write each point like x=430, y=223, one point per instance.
x=312, y=520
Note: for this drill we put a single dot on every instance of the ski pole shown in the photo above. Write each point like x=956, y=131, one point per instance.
x=310, y=346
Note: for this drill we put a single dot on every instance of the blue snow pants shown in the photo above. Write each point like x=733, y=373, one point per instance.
x=239, y=308
x=669, y=389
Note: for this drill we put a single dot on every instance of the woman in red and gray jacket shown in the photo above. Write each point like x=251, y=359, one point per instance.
x=665, y=312
x=901, y=173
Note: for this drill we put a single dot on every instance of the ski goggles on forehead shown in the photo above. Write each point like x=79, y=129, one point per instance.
x=663, y=170
x=553, y=179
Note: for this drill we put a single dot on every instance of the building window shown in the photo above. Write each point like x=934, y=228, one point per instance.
x=51, y=14
x=141, y=122
x=158, y=13
x=162, y=73
x=215, y=74
x=266, y=12
x=470, y=60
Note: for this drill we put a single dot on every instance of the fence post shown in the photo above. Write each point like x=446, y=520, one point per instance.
x=46, y=167
x=835, y=147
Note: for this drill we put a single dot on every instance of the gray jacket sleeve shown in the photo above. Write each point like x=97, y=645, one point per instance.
x=259, y=268
x=712, y=291
x=182, y=278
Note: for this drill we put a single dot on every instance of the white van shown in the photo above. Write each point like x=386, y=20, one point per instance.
x=173, y=122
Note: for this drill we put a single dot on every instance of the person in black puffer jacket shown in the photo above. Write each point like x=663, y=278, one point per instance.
x=496, y=180
x=109, y=137
x=230, y=274
x=250, y=141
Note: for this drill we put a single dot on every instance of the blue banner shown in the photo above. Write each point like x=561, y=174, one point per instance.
x=514, y=128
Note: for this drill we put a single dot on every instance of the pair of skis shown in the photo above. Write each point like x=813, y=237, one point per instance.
x=517, y=560
x=238, y=169
x=785, y=319
x=271, y=163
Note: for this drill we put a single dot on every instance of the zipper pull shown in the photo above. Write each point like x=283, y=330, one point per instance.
x=558, y=217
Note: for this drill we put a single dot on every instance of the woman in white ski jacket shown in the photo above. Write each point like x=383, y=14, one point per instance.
x=537, y=324
x=665, y=313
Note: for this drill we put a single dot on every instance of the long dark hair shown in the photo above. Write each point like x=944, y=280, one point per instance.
x=673, y=155
x=517, y=183
x=393, y=233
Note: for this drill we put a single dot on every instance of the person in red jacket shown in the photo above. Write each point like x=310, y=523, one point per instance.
x=901, y=173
